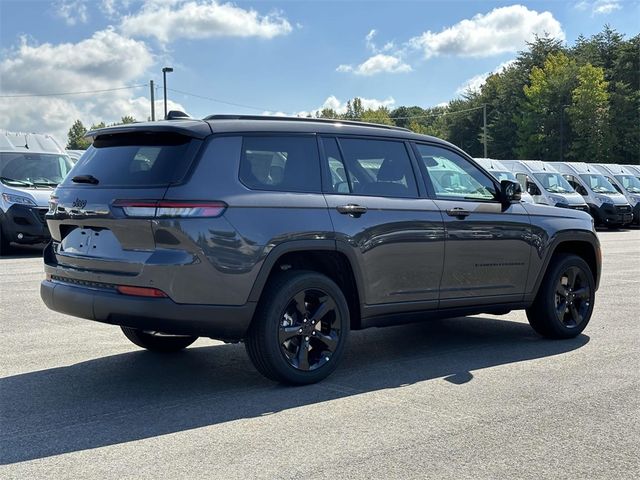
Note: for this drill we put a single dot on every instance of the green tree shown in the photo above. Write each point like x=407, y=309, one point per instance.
x=380, y=115
x=126, y=119
x=589, y=116
x=76, y=140
x=327, y=113
x=543, y=130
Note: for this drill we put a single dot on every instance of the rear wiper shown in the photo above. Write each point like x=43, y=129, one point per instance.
x=85, y=179
x=46, y=184
x=13, y=180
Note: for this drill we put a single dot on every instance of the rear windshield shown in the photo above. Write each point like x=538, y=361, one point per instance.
x=137, y=159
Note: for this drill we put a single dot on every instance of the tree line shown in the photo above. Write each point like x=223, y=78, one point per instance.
x=553, y=102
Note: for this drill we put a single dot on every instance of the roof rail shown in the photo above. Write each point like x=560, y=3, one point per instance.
x=304, y=119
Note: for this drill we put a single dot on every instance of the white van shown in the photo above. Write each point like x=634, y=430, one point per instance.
x=545, y=184
x=31, y=166
x=635, y=169
x=501, y=172
x=626, y=182
x=607, y=205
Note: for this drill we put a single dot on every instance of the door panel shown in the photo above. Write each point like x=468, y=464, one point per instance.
x=398, y=244
x=396, y=238
x=487, y=247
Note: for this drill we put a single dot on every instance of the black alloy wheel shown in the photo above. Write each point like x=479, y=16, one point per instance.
x=309, y=329
x=300, y=328
x=564, y=303
x=573, y=297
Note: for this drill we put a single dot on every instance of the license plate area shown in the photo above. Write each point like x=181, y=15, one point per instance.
x=90, y=242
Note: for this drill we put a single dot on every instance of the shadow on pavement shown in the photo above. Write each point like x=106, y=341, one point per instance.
x=23, y=251
x=139, y=395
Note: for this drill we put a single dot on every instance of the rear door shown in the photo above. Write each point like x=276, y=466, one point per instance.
x=394, y=236
x=487, y=245
x=101, y=215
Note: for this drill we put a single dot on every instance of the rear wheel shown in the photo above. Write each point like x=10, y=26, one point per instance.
x=156, y=341
x=564, y=304
x=300, y=329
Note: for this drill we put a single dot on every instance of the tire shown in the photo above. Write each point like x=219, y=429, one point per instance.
x=300, y=328
x=156, y=342
x=564, y=303
x=5, y=246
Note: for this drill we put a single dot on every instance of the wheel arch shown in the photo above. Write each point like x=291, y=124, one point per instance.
x=322, y=256
x=581, y=243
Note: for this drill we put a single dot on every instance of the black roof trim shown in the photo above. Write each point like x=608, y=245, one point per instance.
x=304, y=119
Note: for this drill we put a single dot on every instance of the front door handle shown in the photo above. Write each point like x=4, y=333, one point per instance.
x=352, y=210
x=459, y=213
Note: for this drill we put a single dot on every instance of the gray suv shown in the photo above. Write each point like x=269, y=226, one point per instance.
x=287, y=233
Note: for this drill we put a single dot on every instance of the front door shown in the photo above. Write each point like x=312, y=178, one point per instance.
x=487, y=245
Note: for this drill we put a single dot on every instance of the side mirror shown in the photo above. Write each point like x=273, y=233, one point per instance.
x=510, y=191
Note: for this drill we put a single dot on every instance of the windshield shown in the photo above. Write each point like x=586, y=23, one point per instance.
x=554, y=183
x=23, y=169
x=503, y=175
x=629, y=182
x=598, y=183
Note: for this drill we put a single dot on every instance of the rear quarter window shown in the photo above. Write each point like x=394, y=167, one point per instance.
x=280, y=163
x=137, y=159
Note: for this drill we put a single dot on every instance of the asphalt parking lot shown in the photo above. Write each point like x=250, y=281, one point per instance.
x=480, y=397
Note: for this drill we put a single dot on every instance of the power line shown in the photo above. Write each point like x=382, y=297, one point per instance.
x=60, y=94
x=217, y=100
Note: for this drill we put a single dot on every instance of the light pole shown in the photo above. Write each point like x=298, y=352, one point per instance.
x=165, y=70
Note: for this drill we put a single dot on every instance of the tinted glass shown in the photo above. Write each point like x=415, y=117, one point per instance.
x=378, y=167
x=33, y=169
x=338, y=179
x=137, y=159
x=454, y=177
x=280, y=163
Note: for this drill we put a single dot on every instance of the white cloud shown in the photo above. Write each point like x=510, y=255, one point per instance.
x=477, y=81
x=338, y=106
x=504, y=29
x=114, y=8
x=105, y=60
x=379, y=63
x=172, y=19
x=72, y=11
x=605, y=7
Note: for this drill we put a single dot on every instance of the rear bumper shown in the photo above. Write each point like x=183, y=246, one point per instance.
x=23, y=224
x=159, y=314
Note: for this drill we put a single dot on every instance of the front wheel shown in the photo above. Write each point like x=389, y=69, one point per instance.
x=300, y=328
x=156, y=341
x=564, y=304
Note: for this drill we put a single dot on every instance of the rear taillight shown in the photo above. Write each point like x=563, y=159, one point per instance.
x=141, y=291
x=170, y=208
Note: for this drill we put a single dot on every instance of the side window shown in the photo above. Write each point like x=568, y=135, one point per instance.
x=280, y=163
x=453, y=177
x=376, y=167
x=577, y=186
x=528, y=185
x=338, y=180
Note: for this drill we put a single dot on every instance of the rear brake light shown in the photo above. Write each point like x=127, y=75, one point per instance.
x=170, y=208
x=141, y=291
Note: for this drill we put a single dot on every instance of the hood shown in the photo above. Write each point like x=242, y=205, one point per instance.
x=615, y=198
x=39, y=195
x=568, y=198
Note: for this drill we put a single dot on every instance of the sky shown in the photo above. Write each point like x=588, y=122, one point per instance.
x=264, y=57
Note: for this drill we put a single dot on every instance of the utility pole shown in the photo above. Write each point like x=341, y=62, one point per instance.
x=484, y=128
x=153, y=102
x=165, y=70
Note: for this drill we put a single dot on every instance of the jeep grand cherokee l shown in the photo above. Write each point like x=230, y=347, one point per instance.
x=287, y=233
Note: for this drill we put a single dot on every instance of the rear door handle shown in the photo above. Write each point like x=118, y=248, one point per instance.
x=352, y=210
x=459, y=213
